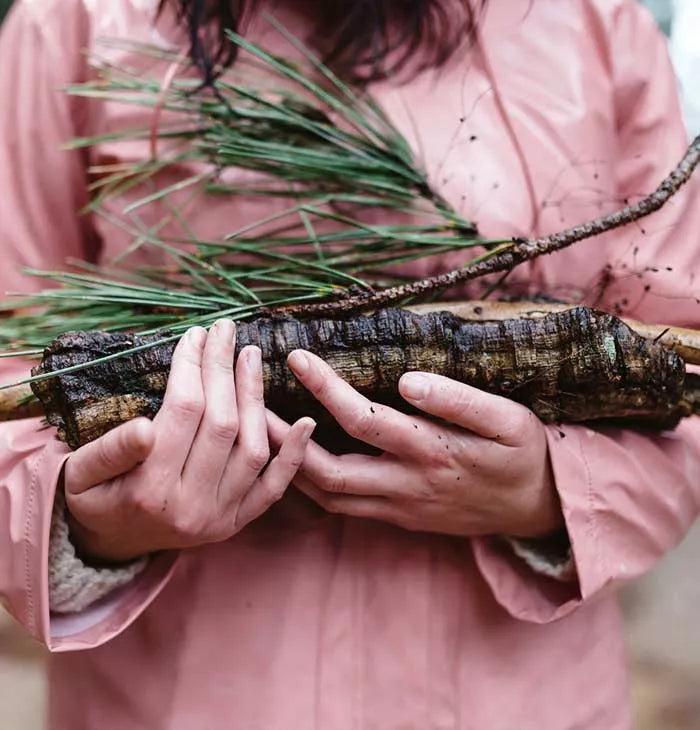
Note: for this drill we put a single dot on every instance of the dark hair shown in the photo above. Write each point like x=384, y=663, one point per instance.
x=363, y=40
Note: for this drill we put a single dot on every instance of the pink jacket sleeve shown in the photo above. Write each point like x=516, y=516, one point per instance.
x=44, y=188
x=627, y=497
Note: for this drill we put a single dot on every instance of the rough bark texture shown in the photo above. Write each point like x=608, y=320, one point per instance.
x=578, y=365
x=686, y=342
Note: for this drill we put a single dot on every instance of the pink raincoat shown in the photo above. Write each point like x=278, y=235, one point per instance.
x=559, y=112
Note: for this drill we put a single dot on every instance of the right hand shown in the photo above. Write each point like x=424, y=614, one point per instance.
x=194, y=474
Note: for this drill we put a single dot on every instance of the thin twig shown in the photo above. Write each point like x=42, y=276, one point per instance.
x=510, y=255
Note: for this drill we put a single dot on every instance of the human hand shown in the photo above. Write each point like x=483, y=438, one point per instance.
x=487, y=471
x=194, y=474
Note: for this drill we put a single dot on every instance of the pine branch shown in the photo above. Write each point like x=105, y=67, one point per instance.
x=329, y=151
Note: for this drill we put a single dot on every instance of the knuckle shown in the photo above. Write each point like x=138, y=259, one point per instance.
x=256, y=393
x=458, y=399
x=223, y=427
x=188, y=405
x=108, y=448
x=144, y=501
x=189, y=525
x=295, y=460
x=258, y=456
x=439, y=463
x=429, y=489
x=360, y=424
x=335, y=482
x=517, y=424
x=257, y=397
x=438, y=457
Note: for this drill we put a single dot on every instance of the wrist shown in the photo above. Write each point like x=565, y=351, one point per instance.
x=541, y=514
x=98, y=550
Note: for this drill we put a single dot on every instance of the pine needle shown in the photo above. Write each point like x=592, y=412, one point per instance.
x=327, y=148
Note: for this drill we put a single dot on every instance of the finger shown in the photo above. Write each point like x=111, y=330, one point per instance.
x=357, y=474
x=252, y=450
x=109, y=456
x=218, y=428
x=372, y=508
x=278, y=475
x=178, y=419
x=373, y=423
x=490, y=416
x=277, y=429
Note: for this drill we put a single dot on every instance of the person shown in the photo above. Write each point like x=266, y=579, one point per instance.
x=466, y=577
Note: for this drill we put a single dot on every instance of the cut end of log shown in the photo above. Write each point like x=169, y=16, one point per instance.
x=19, y=402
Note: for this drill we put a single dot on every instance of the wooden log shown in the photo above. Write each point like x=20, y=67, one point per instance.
x=570, y=366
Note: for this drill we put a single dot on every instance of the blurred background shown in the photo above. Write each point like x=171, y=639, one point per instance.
x=662, y=614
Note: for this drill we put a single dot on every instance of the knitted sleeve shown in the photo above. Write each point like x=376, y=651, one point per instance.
x=73, y=584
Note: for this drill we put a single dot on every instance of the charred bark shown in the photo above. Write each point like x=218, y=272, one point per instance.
x=573, y=366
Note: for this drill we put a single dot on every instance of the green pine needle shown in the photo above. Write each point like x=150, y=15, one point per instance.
x=314, y=141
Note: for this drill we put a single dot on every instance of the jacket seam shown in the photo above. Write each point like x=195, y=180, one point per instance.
x=31, y=614
x=591, y=528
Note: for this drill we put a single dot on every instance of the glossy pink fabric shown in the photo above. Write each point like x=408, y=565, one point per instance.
x=560, y=112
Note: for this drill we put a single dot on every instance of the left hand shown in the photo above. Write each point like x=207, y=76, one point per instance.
x=486, y=471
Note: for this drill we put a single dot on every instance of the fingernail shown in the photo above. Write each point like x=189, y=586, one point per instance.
x=414, y=386
x=196, y=336
x=223, y=328
x=309, y=428
x=255, y=359
x=299, y=363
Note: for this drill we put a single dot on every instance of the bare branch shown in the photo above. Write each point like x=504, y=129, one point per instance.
x=511, y=254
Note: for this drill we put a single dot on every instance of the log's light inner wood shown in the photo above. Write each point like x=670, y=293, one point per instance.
x=15, y=403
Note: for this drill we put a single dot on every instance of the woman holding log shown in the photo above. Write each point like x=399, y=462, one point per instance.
x=461, y=579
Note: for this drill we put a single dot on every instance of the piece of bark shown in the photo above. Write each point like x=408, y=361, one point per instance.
x=573, y=366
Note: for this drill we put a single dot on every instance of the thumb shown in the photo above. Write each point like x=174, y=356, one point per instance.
x=109, y=456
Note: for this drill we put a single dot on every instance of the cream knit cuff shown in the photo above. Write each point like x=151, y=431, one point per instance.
x=553, y=562
x=74, y=585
